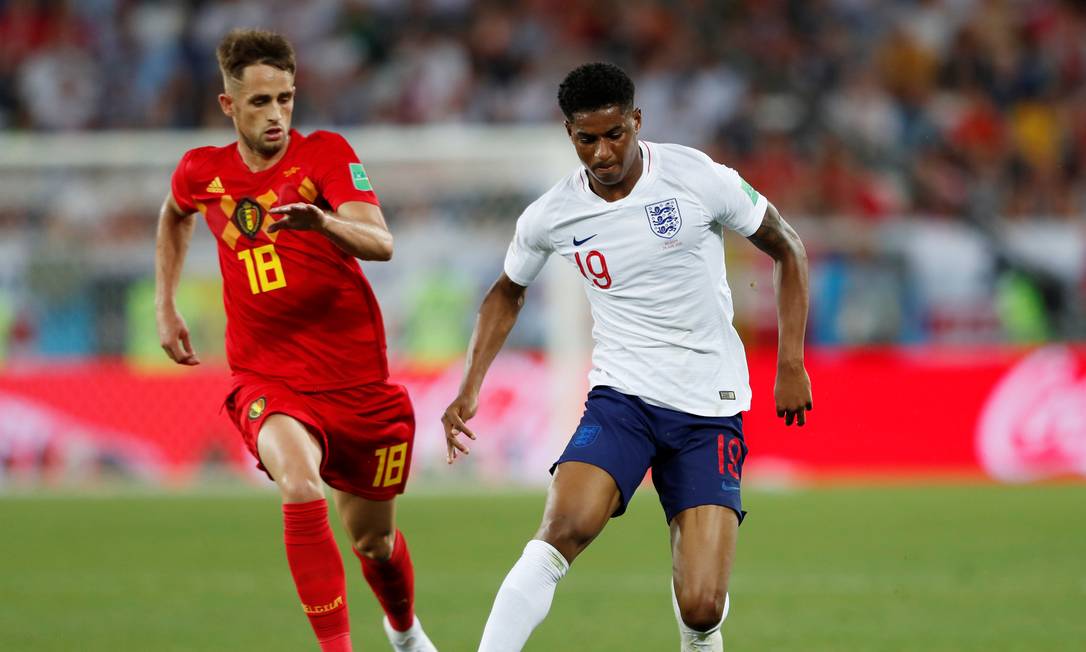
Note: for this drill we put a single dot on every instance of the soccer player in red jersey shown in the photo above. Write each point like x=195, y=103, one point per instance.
x=304, y=336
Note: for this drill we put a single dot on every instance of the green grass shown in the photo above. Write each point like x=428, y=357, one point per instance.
x=843, y=569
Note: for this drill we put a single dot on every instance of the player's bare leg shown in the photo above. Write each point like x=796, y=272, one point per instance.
x=292, y=456
x=386, y=565
x=580, y=501
x=702, y=550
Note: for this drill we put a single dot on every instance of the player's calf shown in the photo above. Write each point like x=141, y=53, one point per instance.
x=392, y=580
x=524, y=598
x=317, y=569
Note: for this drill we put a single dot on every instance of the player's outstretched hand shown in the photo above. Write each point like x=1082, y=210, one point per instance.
x=459, y=411
x=299, y=217
x=173, y=335
x=792, y=393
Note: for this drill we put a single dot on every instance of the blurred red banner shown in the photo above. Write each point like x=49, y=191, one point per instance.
x=1009, y=414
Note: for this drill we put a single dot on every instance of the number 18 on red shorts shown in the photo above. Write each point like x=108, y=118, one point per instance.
x=367, y=432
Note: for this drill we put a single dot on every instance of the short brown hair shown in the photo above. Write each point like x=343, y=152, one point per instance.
x=247, y=47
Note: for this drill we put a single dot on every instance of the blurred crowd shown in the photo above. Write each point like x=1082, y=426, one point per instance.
x=864, y=108
x=931, y=152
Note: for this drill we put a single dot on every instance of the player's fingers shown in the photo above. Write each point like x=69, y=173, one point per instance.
x=186, y=344
x=280, y=224
x=780, y=412
x=170, y=352
x=288, y=208
x=810, y=405
x=788, y=417
x=458, y=445
x=801, y=417
x=455, y=448
x=447, y=424
x=181, y=357
x=187, y=353
x=458, y=424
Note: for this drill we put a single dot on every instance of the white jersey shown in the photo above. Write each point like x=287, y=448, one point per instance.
x=653, y=268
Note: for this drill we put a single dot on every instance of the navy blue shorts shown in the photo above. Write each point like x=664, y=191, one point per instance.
x=695, y=460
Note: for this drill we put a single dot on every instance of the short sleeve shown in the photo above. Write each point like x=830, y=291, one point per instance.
x=340, y=175
x=530, y=248
x=179, y=185
x=732, y=201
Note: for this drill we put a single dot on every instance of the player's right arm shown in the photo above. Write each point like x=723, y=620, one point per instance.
x=175, y=228
x=497, y=315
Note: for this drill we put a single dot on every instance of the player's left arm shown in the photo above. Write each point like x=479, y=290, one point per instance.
x=792, y=391
x=357, y=228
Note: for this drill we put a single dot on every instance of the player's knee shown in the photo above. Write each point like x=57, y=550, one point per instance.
x=701, y=609
x=300, y=489
x=376, y=545
x=569, y=535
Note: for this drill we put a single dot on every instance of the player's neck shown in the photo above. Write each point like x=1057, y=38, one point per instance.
x=622, y=188
x=257, y=162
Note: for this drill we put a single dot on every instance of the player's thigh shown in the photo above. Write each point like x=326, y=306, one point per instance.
x=580, y=501
x=276, y=425
x=613, y=437
x=292, y=456
x=371, y=524
x=703, y=542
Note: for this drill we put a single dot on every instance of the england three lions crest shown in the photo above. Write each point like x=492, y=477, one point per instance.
x=664, y=218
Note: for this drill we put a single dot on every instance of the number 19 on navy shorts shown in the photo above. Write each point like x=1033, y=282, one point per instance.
x=695, y=460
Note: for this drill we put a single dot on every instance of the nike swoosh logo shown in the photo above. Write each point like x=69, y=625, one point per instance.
x=578, y=243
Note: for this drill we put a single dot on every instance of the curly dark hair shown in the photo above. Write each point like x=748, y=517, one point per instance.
x=247, y=47
x=594, y=86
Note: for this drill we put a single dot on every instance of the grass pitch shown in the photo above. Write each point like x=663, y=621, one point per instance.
x=841, y=569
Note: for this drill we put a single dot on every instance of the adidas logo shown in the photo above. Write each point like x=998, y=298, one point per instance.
x=216, y=186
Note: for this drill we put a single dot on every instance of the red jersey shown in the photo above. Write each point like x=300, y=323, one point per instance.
x=298, y=308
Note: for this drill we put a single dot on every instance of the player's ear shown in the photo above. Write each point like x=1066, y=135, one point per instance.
x=637, y=119
x=569, y=129
x=226, y=103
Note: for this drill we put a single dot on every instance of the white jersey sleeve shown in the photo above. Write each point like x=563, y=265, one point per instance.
x=531, y=245
x=731, y=201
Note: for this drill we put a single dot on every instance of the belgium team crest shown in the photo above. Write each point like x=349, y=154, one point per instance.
x=664, y=218
x=256, y=408
x=249, y=217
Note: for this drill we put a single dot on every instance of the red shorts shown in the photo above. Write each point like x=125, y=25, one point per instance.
x=367, y=432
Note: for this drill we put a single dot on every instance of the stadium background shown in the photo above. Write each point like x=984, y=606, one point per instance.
x=932, y=154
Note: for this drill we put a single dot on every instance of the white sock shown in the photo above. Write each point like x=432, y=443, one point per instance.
x=692, y=640
x=524, y=598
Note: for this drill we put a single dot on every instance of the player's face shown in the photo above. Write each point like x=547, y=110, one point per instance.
x=606, y=141
x=261, y=104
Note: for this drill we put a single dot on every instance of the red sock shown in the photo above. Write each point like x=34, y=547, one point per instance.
x=393, y=582
x=317, y=568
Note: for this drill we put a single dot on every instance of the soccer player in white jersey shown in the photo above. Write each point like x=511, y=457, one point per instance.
x=642, y=222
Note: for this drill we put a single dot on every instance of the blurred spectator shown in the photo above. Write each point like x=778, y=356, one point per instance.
x=954, y=114
x=988, y=91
